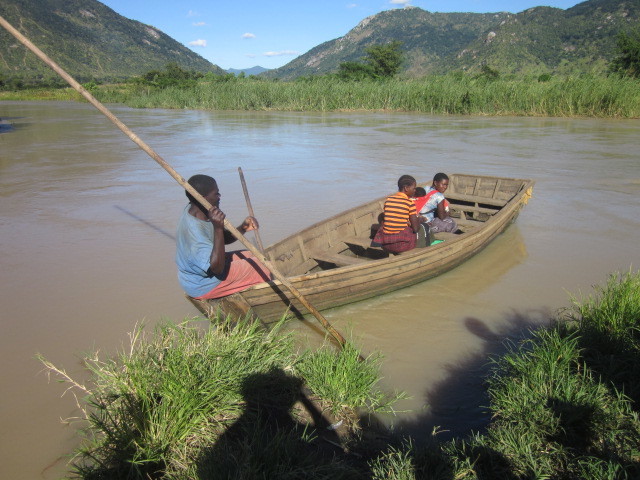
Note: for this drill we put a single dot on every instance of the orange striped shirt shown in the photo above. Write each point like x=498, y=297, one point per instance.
x=397, y=210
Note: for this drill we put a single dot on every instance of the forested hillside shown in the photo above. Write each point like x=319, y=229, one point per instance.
x=87, y=39
x=539, y=40
x=544, y=39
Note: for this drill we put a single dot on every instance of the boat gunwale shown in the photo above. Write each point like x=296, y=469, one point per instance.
x=469, y=237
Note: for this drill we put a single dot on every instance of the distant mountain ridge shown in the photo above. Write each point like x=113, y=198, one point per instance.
x=248, y=71
x=537, y=40
x=89, y=40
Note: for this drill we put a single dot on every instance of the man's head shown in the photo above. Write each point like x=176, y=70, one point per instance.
x=207, y=187
x=407, y=185
x=441, y=182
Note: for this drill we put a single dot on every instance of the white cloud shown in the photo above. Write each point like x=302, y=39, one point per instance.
x=400, y=2
x=198, y=43
x=280, y=53
x=352, y=5
x=251, y=55
x=248, y=35
x=193, y=13
x=199, y=24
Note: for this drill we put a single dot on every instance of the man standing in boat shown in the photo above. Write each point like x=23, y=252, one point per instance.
x=205, y=269
x=398, y=230
x=435, y=209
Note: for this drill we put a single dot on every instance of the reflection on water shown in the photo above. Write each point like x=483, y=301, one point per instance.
x=88, y=222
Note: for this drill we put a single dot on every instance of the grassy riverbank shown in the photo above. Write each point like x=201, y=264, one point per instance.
x=237, y=403
x=459, y=94
x=189, y=401
x=564, y=402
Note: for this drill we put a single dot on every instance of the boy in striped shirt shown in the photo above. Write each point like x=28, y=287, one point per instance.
x=398, y=231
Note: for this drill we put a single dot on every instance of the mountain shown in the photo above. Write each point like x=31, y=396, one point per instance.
x=91, y=41
x=427, y=38
x=88, y=40
x=537, y=40
x=248, y=71
x=579, y=39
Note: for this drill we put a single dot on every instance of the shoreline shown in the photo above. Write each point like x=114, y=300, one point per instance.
x=556, y=401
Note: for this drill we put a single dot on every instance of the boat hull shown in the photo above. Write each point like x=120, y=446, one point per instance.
x=331, y=265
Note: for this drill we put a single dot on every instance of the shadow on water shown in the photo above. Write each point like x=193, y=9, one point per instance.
x=145, y=222
x=457, y=405
x=5, y=126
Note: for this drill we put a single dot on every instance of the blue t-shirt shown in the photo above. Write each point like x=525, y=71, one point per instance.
x=194, y=243
x=429, y=209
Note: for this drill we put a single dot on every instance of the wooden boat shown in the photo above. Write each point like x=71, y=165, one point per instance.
x=332, y=263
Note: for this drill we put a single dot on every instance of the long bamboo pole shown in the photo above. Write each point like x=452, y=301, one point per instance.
x=249, y=207
x=129, y=133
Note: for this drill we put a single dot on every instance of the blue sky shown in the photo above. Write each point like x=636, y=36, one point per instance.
x=270, y=33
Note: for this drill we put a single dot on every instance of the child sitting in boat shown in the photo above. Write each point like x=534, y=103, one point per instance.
x=435, y=208
x=205, y=270
x=398, y=230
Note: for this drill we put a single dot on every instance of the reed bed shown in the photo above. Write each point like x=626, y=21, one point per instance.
x=37, y=94
x=454, y=94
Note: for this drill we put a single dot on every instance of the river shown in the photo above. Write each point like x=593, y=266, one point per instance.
x=88, y=221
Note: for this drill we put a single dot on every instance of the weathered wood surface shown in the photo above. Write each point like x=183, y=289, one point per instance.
x=331, y=263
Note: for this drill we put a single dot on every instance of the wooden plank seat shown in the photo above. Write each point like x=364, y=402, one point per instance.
x=336, y=258
x=467, y=209
x=474, y=199
x=359, y=242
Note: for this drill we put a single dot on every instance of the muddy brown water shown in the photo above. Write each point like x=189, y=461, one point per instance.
x=88, y=220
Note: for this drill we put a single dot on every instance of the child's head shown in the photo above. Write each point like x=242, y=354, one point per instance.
x=441, y=182
x=407, y=184
x=420, y=192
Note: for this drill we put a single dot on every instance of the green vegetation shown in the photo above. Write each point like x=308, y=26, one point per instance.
x=237, y=402
x=627, y=62
x=487, y=93
x=345, y=381
x=456, y=94
x=172, y=76
x=381, y=61
x=190, y=400
x=373, y=85
x=36, y=94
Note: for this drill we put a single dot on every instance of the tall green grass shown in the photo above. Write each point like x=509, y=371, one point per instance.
x=609, y=324
x=457, y=94
x=37, y=94
x=344, y=381
x=453, y=94
x=186, y=401
x=552, y=413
